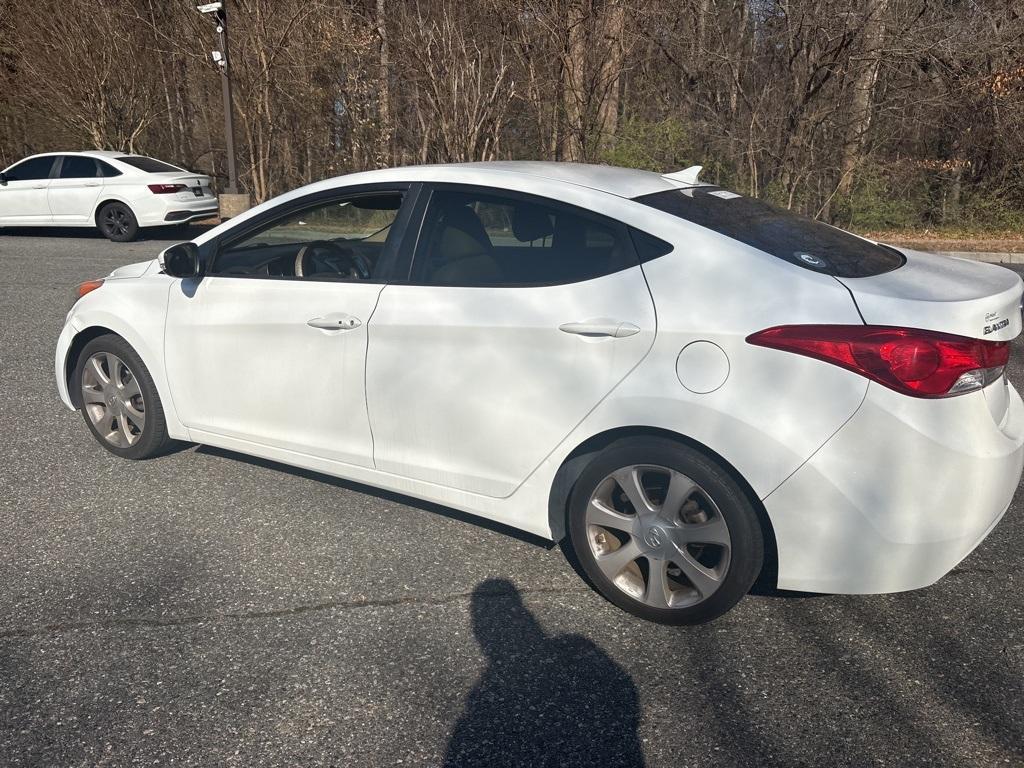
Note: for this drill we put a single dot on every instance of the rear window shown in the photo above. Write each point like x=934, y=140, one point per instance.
x=148, y=164
x=784, y=234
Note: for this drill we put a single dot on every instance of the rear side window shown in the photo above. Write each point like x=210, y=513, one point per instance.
x=785, y=235
x=33, y=169
x=77, y=167
x=148, y=164
x=481, y=239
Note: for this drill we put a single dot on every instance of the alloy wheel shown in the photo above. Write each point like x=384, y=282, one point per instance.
x=113, y=400
x=658, y=536
x=115, y=222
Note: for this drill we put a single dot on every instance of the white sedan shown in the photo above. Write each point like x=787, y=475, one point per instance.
x=117, y=192
x=696, y=388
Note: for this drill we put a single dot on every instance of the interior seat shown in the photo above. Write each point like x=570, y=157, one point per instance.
x=461, y=251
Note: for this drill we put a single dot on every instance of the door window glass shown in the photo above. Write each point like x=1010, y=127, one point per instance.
x=479, y=239
x=336, y=240
x=77, y=167
x=32, y=169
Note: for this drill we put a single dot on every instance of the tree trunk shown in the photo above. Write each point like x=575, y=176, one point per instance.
x=863, y=92
x=614, y=30
x=573, y=85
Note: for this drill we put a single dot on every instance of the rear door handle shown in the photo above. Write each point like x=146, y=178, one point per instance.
x=600, y=326
x=335, y=322
x=92, y=184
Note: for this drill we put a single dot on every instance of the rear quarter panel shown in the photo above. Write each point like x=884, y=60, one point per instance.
x=774, y=409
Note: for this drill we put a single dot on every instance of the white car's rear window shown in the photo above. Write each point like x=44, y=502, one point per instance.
x=784, y=234
x=148, y=164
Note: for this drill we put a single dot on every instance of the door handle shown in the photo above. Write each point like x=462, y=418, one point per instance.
x=335, y=322
x=92, y=184
x=600, y=326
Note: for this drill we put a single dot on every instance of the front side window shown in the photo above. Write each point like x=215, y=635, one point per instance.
x=77, y=167
x=33, y=169
x=481, y=239
x=783, y=234
x=337, y=240
x=149, y=164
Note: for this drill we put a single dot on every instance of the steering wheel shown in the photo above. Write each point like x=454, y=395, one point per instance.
x=322, y=256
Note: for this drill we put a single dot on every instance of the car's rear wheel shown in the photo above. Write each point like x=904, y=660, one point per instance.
x=119, y=399
x=117, y=222
x=663, y=531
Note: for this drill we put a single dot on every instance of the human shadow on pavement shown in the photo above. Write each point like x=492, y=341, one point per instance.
x=542, y=700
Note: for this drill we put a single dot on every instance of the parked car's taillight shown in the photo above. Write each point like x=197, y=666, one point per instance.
x=166, y=189
x=908, y=360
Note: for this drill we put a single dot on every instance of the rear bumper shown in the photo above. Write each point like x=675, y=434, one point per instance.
x=161, y=210
x=900, y=495
x=176, y=217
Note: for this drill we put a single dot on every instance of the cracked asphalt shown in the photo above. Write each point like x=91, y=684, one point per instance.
x=209, y=609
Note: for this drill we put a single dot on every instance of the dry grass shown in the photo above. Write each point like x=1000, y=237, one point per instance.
x=953, y=240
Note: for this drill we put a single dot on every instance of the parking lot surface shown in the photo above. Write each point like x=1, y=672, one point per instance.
x=209, y=609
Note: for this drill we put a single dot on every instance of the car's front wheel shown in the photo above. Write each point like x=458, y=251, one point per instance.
x=119, y=399
x=117, y=222
x=664, y=532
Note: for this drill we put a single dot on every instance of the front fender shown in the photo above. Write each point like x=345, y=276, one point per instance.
x=135, y=310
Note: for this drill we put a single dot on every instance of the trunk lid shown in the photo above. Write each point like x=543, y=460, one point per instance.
x=198, y=184
x=941, y=293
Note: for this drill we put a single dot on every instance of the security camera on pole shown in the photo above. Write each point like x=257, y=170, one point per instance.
x=232, y=202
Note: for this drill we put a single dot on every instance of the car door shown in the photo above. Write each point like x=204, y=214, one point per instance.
x=519, y=316
x=23, y=192
x=269, y=345
x=74, y=190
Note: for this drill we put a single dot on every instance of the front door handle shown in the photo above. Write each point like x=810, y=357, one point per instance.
x=336, y=322
x=601, y=326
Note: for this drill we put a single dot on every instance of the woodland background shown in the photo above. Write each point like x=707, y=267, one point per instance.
x=872, y=114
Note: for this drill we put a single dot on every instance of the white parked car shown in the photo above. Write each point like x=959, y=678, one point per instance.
x=117, y=192
x=694, y=387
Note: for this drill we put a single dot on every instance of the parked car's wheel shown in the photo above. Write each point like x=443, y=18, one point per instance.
x=662, y=531
x=119, y=399
x=117, y=222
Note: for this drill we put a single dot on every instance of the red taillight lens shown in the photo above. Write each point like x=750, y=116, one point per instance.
x=166, y=189
x=911, y=361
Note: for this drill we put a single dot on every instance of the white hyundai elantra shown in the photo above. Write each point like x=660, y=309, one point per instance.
x=116, y=192
x=691, y=385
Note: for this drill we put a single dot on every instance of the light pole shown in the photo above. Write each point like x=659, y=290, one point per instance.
x=232, y=202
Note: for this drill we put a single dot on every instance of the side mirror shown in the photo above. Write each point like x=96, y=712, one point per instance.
x=3, y=178
x=181, y=260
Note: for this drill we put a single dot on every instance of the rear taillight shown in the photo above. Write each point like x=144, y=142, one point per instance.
x=911, y=361
x=166, y=189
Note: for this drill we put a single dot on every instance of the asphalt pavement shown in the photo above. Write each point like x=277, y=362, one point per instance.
x=209, y=609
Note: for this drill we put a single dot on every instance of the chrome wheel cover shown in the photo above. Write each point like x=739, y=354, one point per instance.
x=658, y=536
x=113, y=400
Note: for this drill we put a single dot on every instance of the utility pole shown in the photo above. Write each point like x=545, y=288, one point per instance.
x=231, y=202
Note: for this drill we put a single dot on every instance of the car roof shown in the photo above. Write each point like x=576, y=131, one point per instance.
x=623, y=182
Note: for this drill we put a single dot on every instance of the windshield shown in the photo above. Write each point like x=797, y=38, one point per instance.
x=784, y=234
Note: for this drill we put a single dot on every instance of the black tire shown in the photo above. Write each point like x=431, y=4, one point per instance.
x=746, y=545
x=152, y=439
x=117, y=222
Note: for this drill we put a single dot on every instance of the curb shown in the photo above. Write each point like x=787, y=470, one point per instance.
x=991, y=257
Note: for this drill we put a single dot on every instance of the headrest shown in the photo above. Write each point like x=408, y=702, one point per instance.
x=530, y=222
x=462, y=234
